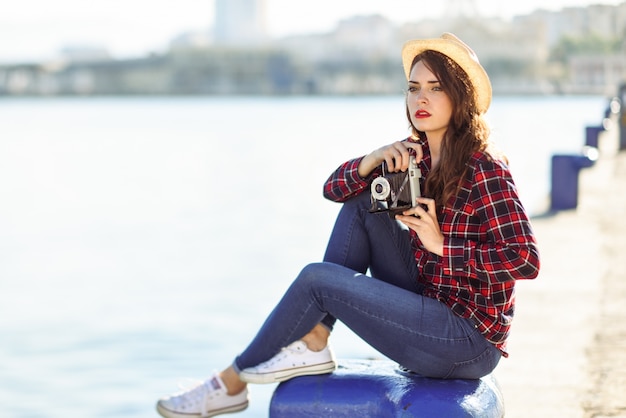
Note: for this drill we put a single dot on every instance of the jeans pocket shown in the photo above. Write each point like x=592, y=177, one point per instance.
x=475, y=368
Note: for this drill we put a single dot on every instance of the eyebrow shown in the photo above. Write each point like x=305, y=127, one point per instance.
x=428, y=82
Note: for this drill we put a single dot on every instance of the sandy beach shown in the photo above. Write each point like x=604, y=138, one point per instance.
x=568, y=344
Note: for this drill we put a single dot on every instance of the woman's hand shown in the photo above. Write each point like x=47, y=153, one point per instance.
x=425, y=224
x=396, y=156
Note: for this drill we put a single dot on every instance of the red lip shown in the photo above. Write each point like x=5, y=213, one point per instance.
x=422, y=114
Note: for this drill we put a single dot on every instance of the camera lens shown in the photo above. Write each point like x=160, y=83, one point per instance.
x=380, y=188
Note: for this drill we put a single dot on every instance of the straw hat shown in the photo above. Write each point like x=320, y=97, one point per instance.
x=462, y=54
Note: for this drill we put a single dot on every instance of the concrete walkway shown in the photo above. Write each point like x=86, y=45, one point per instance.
x=568, y=343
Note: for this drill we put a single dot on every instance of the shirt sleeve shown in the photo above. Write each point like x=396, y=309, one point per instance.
x=345, y=182
x=505, y=248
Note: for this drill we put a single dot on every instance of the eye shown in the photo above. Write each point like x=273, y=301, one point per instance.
x=412, y=89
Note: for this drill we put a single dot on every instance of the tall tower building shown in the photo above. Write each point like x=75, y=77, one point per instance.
x=240, y=22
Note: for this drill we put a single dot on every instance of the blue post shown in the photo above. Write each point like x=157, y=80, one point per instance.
x=362, y=388
x=565, y=169
x=622, y=117
x=592, y=133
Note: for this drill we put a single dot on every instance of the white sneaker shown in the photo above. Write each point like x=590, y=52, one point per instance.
x=207, y=399
x=293, y=360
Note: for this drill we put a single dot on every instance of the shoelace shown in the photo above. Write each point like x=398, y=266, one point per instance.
x=283, y=353
x=200, y=392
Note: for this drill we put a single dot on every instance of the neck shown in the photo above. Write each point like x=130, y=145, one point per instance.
x=435, y=150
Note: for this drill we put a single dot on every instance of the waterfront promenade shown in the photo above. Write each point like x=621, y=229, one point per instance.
x=568, y=344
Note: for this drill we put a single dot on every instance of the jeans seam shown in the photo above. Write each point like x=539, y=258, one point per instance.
x=393, y=323
x=457, y=365
x=347, y=241
x=392, y=232
x=394, y=235
x=302, y=314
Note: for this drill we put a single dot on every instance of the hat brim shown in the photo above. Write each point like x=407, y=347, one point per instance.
x=459, y=52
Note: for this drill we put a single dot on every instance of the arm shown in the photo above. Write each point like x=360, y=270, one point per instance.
x=345, y=182
x=354, y=176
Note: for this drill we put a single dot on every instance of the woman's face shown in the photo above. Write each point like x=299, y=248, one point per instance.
x=430, y=108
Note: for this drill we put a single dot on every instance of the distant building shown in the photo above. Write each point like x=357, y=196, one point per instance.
x=598, y=74
x=606, y=21
x=84, y=53
x=240, y=22
x=360, y=56
x=192, y=40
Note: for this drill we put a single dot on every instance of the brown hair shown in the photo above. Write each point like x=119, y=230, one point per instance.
x=467, y=131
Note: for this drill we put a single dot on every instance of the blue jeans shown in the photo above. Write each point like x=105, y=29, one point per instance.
x=386, y=309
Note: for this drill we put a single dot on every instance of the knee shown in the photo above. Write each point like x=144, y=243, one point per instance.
x=308, y=279
x=316, y=273
x=311, y=272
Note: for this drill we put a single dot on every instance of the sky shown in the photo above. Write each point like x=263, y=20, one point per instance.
x=34, y=30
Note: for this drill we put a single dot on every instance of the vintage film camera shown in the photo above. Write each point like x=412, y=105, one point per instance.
x=395, y=192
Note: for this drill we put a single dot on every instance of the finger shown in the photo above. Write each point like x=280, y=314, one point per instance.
x=402, y=156
x=419, y=153
x=410, y=221
x=430, y=203
x=414, y=212
x=390, y=159
x=430, y=206
x=395, y=158
x=419, y=212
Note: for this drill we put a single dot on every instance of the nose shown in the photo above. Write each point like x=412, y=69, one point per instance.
x=419, y=96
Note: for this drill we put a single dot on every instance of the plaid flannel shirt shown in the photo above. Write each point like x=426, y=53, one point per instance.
x=488, y=242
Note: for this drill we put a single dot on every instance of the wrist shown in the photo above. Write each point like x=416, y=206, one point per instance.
x=366, y=166
x=439, y=247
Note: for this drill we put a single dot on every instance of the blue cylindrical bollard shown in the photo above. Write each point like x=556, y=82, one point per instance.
x=592, y=133
x=622, y=117
x=366, y=388
x=564, y=184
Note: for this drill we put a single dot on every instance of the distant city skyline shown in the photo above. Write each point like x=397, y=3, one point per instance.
x=32, y=30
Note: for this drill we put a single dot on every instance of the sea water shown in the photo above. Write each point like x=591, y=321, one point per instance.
x=144, y=240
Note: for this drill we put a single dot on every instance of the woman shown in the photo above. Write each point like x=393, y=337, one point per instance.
x=439, y=299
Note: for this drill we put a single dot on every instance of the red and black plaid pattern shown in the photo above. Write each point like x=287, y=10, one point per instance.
x=488, y=243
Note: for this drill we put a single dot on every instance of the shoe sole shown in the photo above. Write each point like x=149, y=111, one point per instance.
x=282, y=375
x=167, y=413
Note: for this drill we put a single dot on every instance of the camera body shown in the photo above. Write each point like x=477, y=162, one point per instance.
x=393, y=193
